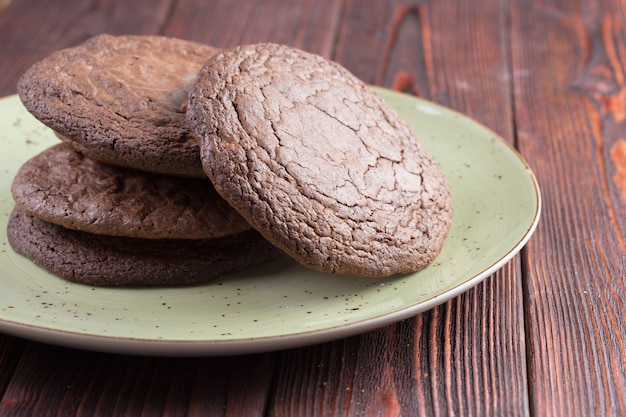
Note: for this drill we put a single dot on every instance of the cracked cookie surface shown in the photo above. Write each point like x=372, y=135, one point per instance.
x=121, y=100
x=318, y=163
x=63, y=187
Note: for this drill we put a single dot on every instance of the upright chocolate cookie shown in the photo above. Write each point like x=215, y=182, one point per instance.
x=121, y=100
x=118, y=261
x=318, y=163
x=62, y=186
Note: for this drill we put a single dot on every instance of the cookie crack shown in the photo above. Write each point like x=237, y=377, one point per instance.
x=339, y=120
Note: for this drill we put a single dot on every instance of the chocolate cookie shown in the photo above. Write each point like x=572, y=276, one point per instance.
x=318, y=163
x=118, y=261
x=121, y=100
x=62, y=186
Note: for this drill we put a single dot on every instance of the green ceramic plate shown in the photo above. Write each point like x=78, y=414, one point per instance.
x=281, y=304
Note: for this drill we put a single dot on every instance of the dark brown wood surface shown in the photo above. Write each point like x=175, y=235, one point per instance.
x=544, y=336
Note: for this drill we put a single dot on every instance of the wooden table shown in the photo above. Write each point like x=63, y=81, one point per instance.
x=545, y=335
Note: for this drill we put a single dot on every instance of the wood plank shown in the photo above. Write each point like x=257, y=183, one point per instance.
x=315, y=380
x=10, y=352
x=306, y=24
x=82, y=383
x=451, y=52
x=31, y=29
x=568, y=60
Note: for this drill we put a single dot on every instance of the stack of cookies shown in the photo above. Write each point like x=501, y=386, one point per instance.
x=179, y=163
x=123, y=200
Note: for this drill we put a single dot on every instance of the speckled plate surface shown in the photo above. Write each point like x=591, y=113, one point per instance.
x=281, y=304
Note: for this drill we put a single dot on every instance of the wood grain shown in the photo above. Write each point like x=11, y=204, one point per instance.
x=569, y=117
x=81, y=383
x=10, y=352
x=315, y=380
x=305, y=24
x=32, y=29
x=542, y=336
